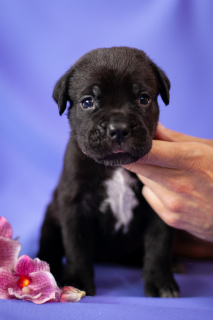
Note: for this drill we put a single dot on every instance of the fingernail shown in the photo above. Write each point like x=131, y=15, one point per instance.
x=161, y=126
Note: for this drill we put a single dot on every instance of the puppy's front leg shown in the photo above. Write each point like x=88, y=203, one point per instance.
x=157, y=271
x=78, y=239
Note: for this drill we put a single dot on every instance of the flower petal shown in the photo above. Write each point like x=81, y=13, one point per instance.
x=7, y=280
x=9, y=251
x=18, y=295
x=44, y=286
x=45, y=282
x=25, y=265
x=53, y=297
x=5, y=228
x=71, y=294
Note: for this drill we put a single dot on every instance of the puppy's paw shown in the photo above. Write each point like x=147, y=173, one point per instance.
x=82, y=283
x=166, y=287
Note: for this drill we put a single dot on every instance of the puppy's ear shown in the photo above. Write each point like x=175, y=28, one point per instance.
x=164, y=83
x=60, y=92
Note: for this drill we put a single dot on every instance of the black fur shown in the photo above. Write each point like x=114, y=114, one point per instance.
x=113, y=114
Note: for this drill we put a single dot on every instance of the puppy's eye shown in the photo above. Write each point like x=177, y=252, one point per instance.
x=144, y=99
x=88, y=103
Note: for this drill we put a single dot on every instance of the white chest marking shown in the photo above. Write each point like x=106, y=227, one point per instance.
x=120, y=198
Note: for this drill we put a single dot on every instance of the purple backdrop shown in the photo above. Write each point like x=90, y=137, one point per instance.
x=40, y=40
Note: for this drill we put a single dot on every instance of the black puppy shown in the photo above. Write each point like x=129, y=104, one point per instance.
x=97, y=212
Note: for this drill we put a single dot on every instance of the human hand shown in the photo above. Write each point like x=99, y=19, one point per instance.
x=178, y=181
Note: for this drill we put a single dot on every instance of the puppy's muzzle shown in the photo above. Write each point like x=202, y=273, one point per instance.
x=118, y=139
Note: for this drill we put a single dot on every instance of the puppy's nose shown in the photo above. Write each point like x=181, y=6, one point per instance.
x=118, y=131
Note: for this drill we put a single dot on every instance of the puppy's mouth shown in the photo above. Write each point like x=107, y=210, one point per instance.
x=119, y=157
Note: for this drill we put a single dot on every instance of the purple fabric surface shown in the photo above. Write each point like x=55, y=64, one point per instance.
x=120, y=296
x=39, y=41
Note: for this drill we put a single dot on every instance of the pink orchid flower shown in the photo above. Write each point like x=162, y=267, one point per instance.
x=30, y=281
x=25, y=278
x=9, y=249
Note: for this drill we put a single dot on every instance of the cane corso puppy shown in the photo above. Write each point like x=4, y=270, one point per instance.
x=97, y=212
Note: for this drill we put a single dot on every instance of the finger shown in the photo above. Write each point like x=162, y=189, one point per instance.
x=158, y=206
x=182, y=221
x=170, y=200
x=163, y=154
x=182, y=211
x=174, y=219
x=166, y=134
x=179, y=205
x=182, y=183
x=171, y=218
x=171, y=179
x=174, y=155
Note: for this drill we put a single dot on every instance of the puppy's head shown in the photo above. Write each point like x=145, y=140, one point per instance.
x=113, y=109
